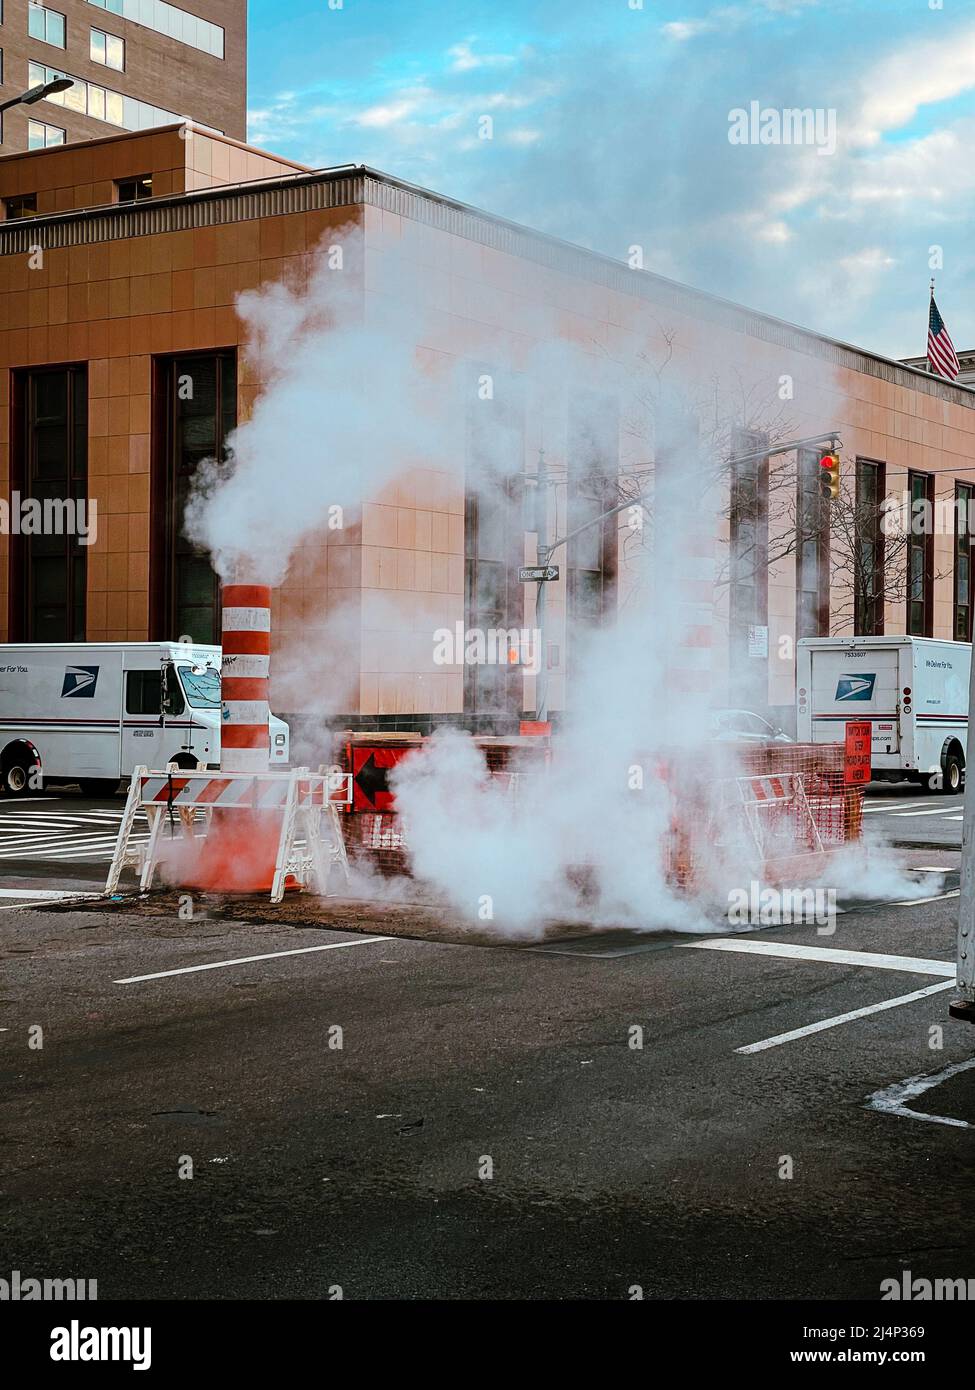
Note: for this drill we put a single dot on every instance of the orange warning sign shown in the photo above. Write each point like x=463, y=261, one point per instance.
x=858, y=734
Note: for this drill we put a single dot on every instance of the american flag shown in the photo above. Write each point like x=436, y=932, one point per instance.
x=941, y=350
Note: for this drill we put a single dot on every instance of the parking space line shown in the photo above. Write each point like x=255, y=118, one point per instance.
x=249, y=960
x=45, y=893
x=938, y=897
x=839, y=1019
x=872, y=959
x=891, y=1100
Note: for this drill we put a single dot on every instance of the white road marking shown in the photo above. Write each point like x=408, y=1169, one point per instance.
x=827, y=954
x=931, y=869
x=891, y=1100
x=886, y=805
x=938, y=897
x=44, y=893
x=249, y=960
x=938, y=811
x=835, y=1022
x=954, y=817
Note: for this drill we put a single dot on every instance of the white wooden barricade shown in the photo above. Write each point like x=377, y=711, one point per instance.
x=187, y=799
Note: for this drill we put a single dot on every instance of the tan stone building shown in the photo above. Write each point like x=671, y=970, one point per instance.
x=133, y=65
x=101, y=307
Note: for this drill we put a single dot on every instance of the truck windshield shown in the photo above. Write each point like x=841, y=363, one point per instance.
x=202, y=688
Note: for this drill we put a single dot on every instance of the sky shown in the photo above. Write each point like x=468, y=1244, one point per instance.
x=610, y=126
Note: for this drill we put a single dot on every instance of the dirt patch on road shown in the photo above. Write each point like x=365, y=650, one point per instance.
x=422, y=919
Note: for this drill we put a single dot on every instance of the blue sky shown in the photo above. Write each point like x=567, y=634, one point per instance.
x=610, y=128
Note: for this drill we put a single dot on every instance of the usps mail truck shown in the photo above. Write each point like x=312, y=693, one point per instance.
x=89, y=713
x=913, y=691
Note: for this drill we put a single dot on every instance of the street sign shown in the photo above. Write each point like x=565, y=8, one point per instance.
x=531, y=574
x=858, y=741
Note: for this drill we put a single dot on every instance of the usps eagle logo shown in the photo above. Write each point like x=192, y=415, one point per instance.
x=858, y=687
x=79, y=683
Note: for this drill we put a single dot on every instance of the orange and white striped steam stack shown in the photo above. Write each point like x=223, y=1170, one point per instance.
x=244, y=740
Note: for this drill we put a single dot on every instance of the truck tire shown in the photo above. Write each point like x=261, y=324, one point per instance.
x=952, y=779
x=15, y=780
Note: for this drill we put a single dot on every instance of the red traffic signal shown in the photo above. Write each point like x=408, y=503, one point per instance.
x=829, y=478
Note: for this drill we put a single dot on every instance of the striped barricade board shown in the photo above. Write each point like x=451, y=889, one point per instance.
x=306, y=804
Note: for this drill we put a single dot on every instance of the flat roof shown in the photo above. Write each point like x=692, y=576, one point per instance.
x=355, y=184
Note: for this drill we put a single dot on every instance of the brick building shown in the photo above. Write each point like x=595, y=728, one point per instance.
x=135, y=65
x=95, y=333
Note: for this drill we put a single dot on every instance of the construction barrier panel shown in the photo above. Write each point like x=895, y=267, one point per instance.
x=235, y=832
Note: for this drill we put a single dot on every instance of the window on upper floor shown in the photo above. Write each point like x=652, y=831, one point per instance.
x=41, y=136
x=133, y=190
x=24, y=205
x=107, y=49
x=47, y=25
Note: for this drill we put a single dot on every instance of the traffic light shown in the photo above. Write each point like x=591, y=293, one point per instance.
x=829, y=478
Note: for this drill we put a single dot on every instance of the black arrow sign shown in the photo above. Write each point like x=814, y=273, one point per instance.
x=372, y=780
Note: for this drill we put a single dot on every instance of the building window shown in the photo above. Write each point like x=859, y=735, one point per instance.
x=41, y=136
x=494, y=542
x=24, y=205
x=171, y=20
x=107, y=49
x=593, y=489
x=964, y=496
x=51, y=468
x=748, y=596
x=920, y=556
x=135, y=189
x=812, y=549
x=46, y=25
x=196, y=403
x=89, y=99
x=869, y=558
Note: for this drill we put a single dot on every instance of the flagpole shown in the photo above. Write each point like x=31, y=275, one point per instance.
x=931, y=371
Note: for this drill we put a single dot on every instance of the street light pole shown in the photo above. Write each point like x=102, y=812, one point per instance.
x=38, y=93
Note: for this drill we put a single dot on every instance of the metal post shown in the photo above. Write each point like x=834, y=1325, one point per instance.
x=543, y=555
x=964, y=1006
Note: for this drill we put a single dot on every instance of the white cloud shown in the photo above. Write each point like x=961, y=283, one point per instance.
x=918, y=75
x=466, y=60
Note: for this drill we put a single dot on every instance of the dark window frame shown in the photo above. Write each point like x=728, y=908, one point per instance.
x=592, y=487
x=494, y=696
x=137, y=184
x=869, y=608
x=169, y=551
x=920, y=552
x=20, y=205
x=962, y=616
x=749, y=505
x=27, y=553
x=812, y=530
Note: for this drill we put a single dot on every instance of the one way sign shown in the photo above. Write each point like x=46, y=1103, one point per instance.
x=530, y=574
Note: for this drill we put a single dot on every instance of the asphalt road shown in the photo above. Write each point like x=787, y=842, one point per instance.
x=907, y=815
x=487, y=1129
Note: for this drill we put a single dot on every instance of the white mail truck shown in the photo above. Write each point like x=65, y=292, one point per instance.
x=89, y=713
x=913, y=691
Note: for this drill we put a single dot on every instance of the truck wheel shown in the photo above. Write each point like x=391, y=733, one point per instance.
x=16, y=776
x=98, y=786
x=952, y=775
